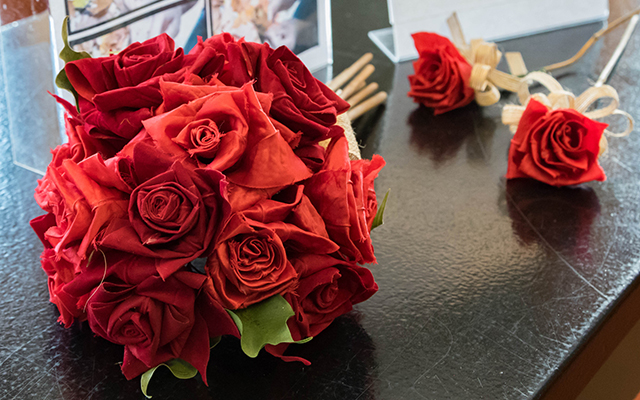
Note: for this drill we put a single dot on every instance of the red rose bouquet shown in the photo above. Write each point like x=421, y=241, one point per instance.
x=202, y=195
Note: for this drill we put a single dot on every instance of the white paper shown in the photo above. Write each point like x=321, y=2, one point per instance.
x=491, y=20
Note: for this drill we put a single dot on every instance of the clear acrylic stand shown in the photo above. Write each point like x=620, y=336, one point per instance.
x=27, y=65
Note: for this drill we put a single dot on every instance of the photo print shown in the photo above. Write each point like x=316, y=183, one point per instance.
x=103, y=27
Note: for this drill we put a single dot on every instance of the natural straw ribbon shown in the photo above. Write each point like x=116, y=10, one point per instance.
x=560, y=98
x=354, y=150
x=484, y=58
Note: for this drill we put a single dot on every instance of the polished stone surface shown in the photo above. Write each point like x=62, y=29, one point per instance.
x=486, y=287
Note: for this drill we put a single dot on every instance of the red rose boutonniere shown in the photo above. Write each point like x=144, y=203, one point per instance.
x=557, y=141
x=441, y=79
x=558, y=147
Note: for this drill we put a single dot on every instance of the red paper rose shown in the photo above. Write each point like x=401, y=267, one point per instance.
x=154, y=318
x=248, y=265
x=291, y=215
x=238, y=67
x=301, y=102
x=557, y=147
x=81, y=208
x=343, y=193
x=118, y=92
x=441, y=79
x=328, y=288
x=59, y=273
x=173, y=216
x=245, y=139
x=252, y=261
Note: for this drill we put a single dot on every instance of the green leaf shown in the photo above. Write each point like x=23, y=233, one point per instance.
x=67, y=54
x=378, y=220
x=213, y=342
x=236, y=320
x=179, y=368
x=303, y=341
x=264, y=323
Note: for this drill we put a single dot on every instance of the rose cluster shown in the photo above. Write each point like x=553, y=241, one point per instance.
x=196, y=184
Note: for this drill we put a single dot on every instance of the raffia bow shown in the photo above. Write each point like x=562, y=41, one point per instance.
x=559, y=98
x=354, y=150
x=484, y=57
x=345, y=122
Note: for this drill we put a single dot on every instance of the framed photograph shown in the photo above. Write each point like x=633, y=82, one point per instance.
x=302, y=25
x=103, y=27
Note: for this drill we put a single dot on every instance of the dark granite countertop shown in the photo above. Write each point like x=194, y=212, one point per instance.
x=487, y=287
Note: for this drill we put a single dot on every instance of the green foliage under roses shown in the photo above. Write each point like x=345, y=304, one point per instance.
x=179, y=368
x=67, y=54
x=379, y=218
x=264, y=323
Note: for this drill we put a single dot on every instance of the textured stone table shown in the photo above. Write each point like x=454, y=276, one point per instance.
x=487, y=288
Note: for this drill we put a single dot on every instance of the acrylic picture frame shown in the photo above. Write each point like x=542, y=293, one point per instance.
x=491, y=20
x=101, y=30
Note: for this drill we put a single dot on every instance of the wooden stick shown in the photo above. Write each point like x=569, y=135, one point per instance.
x=367, y=105
x=360, y=86
x=352, y=87
x=348, y=73
x=363, y=94
x=602, y=79
x=596, y=36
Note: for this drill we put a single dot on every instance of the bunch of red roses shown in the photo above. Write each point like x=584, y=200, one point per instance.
x=193, y=200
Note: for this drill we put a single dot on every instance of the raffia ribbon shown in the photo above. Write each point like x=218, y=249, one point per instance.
x=484, y=57
x=558, y=98
x=354, y=150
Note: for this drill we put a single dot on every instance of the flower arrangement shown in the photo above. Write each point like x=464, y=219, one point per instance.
x=203, y=195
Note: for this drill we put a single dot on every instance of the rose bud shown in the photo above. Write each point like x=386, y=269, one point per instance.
x=557, y=147
x=173, y=217
x=248, y=265
x=201, y=139
x=441, y=79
